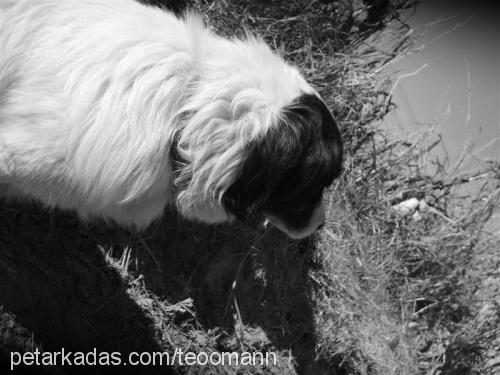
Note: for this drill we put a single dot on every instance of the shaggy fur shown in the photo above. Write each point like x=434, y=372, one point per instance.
x=115, y=109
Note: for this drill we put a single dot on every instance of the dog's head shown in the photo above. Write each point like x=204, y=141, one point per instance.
x=281, y=173
x=256, y=139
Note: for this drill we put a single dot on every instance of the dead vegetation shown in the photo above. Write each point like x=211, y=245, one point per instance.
x=380, y=291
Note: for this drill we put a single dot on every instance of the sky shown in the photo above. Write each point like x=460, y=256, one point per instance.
x=461, y=53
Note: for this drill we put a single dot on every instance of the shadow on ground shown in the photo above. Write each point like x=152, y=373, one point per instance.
x=55, y=281
x=251, y=289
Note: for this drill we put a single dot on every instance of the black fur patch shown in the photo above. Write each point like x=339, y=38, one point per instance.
x=286, y=171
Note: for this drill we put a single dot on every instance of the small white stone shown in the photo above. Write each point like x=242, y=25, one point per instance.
x=407, y=207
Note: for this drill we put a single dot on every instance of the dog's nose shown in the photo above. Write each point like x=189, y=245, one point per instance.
x=321, y=225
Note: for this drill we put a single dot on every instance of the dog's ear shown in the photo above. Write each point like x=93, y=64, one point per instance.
x=214, y=143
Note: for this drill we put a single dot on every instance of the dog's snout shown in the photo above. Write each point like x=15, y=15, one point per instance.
x=321, y=225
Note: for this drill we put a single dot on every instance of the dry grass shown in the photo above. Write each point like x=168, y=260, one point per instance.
x=377, y=292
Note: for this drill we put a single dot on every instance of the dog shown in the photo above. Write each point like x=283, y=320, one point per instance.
x=116, y=109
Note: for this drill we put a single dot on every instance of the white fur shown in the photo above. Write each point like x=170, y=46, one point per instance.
x=92, y=93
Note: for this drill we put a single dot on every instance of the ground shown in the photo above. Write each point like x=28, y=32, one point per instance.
x=378, y=291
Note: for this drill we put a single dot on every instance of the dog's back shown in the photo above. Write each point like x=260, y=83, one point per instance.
x=77, y=78
x=89, y=96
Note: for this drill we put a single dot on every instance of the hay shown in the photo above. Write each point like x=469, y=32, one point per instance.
x=377, y=292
